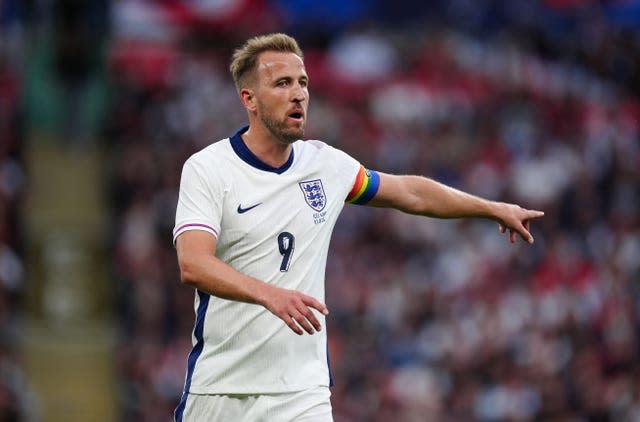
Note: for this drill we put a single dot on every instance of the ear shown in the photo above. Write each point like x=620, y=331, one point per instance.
x=247, y=96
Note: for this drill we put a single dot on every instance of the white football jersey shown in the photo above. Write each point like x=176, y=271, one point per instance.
x=273, y=224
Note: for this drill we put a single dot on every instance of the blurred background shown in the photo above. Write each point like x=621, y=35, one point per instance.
x=535, y=102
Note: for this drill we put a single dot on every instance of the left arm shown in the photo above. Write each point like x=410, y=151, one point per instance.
x=423, y=196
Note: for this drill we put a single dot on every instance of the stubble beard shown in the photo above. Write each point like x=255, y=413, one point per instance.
x=279, y=129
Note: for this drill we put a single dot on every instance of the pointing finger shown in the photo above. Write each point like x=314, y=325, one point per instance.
x=535, y=214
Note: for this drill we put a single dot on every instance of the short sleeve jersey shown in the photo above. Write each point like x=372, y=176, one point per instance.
x=273, y=224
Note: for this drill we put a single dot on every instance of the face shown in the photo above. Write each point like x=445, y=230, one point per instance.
x=282, y=95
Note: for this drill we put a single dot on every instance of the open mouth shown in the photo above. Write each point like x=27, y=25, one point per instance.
x=296, y=115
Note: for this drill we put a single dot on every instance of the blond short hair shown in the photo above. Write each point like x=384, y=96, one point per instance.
x=245, y=58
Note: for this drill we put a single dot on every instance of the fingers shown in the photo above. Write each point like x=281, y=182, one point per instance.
x=523, y=231
x=292, y=323
x=518, y=222
x=296, y=310
x=534, y=214
x=300, y=321
x=528, y=237
x=316, y=304
x=306, y=320
x=513, y=234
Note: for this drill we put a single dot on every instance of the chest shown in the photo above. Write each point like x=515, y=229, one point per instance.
x=258, y=208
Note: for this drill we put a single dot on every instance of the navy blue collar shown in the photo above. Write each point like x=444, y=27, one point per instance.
x=249, y=157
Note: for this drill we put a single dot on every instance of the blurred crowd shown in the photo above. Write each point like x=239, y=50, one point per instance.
x=14, y=395
x=430, y=320
x=536, y=103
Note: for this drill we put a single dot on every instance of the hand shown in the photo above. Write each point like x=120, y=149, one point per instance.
x=295, y=309
x=517, y=220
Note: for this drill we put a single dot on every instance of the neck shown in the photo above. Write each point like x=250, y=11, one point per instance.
x=265, y=146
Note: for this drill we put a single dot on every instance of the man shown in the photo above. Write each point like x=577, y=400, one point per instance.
x=253, y=225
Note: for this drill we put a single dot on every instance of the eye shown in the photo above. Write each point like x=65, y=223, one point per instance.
x=282, y=82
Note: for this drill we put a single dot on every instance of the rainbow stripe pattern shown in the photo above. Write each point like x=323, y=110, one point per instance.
x=365, y=187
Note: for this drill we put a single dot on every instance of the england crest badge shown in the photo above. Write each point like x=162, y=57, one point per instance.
x=314, y=194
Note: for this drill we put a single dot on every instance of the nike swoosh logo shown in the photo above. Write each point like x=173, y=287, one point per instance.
x=243, y=210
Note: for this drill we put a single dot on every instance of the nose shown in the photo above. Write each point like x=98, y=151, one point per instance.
x=299, y=93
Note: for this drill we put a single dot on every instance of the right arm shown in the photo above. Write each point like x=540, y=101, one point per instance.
x=200, y=268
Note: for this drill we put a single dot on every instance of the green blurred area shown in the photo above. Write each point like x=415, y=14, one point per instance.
x=50, y=103
x=68, y=346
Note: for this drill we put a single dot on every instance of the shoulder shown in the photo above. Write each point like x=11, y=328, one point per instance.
x=315, y=147
x=209, y=163
x=211, y=151
x=314, y=144
x=328, y=157
x=216, y=153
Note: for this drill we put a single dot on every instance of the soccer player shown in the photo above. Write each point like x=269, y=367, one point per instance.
x=253, y=223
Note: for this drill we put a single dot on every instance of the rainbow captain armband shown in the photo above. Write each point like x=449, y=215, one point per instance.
x=365, y=187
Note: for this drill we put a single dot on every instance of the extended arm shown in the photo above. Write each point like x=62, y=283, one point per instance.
x=423, y=196
x=200, y=268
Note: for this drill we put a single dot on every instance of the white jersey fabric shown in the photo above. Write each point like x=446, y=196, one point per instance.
x=273, y=224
